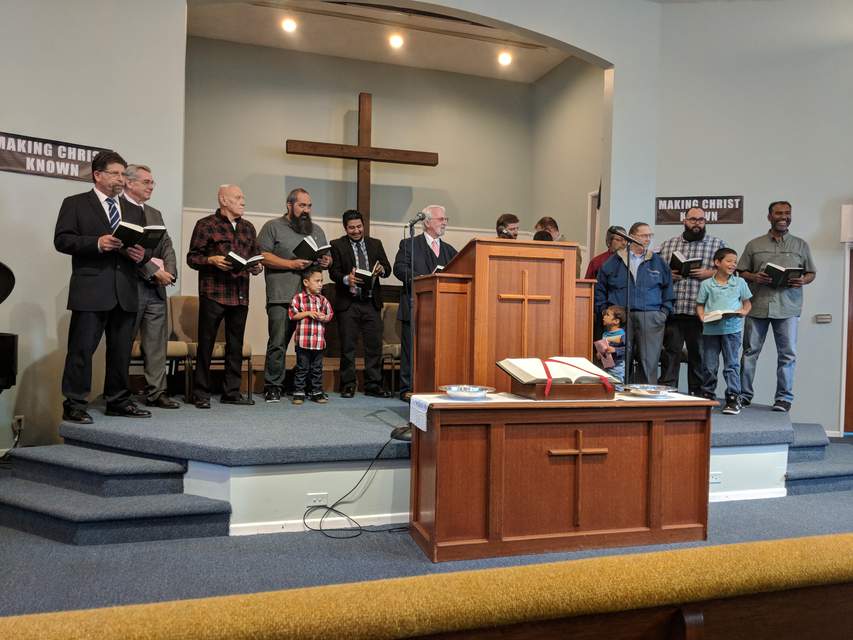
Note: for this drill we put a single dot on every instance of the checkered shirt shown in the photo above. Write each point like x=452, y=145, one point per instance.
x=310, y=333
x=687, y=289
x=214, y=236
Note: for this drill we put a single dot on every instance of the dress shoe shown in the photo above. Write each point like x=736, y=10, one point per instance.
x=320, y=398
x=76, y=414
x=377, y=393
x=243, y=400
x=128, y=410
x=164, y=402
x=202, y=403
x=406, y=396
x=348, y=392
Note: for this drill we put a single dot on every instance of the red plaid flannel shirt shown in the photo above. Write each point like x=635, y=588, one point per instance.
x=310, y=333
x=214, y=236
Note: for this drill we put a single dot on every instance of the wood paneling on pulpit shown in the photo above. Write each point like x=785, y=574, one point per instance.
x=499, y=299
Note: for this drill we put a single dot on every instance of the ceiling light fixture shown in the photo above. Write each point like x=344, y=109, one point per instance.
x=396, y=41
x=505, y=58
x=289, y=25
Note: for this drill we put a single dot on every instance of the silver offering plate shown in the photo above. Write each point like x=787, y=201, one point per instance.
x=466, y=391
x=649, y=390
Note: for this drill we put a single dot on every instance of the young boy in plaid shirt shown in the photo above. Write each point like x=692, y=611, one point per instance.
x=312, y=311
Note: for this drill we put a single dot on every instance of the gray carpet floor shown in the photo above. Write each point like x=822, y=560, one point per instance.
x=40, y=575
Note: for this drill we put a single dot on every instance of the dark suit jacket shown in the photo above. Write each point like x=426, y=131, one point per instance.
x=99, y=281
x=425, y=263
x=164, y=250
x=343, y=261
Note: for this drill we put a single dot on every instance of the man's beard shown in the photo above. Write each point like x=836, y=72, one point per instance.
x=302, y=225
x=694, y=236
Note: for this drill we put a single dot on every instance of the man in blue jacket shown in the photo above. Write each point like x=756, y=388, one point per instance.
x=651, y=302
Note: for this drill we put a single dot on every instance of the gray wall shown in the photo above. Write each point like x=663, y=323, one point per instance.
x=755, y=100
x=244, y=101
x=68, y=72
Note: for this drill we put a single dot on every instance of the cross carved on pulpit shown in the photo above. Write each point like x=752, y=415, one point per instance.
x=364, y=152
x=525, y=299
x=578, y=453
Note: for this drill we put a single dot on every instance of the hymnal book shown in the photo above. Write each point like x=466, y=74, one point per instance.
x=713, y=316
x=438, y=268
x=781, y=275
x=146, y=237
x=682, y=265
x=308, y=249
x=563, y=369
x=239, y=263
x=368, y=278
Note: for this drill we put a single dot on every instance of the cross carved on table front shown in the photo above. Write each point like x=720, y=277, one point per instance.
x=578, y=453
x=364, y=152
x=525, y=298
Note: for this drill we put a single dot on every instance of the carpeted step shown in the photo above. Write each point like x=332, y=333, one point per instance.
x=83, y=519
x=809, y=445
x=833, y=473
x=100, y=473
x=755, y=425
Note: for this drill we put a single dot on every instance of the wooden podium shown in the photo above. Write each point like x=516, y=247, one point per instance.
x=499, y=299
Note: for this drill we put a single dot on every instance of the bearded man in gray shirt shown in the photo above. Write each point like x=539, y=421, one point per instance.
x=283, y=271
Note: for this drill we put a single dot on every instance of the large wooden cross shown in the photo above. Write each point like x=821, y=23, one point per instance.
x=364, y=152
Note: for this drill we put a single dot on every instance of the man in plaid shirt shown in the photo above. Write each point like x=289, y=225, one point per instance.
x=222, y=293
x=312, y=311
x=683, y=325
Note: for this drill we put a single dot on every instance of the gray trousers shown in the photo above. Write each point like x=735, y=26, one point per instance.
x=152, y=325
x=645, y=342
x=280, y=330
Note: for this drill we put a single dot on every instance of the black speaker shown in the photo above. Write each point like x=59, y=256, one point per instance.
x=8, y=360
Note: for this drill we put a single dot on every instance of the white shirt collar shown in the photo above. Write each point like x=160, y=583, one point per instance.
x=132, y=201
x=430, y=239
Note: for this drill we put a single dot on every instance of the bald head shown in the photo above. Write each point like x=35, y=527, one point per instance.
x=231, y=201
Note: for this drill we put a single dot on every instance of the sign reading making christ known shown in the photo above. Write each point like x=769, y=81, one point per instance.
x=718, y=209
x=40, y=157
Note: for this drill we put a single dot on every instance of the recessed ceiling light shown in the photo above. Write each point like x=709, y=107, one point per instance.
x=505, y=58
x=396, y=41
x=289, y=25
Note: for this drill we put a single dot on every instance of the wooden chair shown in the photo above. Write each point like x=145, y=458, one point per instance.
x=391, y=341
x=177, y=354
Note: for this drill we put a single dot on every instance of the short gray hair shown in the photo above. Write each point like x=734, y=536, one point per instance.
x=132, y=170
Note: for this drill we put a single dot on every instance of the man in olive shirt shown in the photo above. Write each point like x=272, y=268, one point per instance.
x=779, y=307
x=277, y=240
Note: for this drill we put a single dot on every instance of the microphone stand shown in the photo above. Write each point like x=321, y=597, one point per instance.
x=405, y=433
x=629, y=355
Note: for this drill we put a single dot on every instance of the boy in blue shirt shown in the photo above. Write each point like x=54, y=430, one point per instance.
x=727, y=293
x=613, y=321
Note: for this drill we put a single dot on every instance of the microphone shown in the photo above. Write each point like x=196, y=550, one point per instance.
x=418, y=218
x=624, y=236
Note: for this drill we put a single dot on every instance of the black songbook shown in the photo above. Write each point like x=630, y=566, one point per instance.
x=368, y=278
x=239, y=263
x=682, y=265
x=146, y=237
x=781, y=275
x=308, y=249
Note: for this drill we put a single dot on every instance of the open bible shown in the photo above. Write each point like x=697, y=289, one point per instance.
x=239, y=263
x=308, y=249
x=781, y=275
x=368, y=278
x=146, y=237
x=683, y=265
x=557, y=369
x=713, y=316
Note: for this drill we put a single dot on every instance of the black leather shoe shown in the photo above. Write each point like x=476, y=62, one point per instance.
x=129, y=410
x=236, y=400
x=75, y=414
x=348, y=392
x=377, y=393
x=164, y=402
x=202, y=403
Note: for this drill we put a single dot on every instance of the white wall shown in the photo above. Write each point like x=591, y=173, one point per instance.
x=94, y=72
x=755, y=100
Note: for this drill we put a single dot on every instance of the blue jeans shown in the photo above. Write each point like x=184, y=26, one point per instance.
x=617, y=371
x=729, y=345
x=785, y=336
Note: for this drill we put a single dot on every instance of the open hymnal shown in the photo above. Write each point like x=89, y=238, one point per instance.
x=368, y=278
x=713, y=316
x=438, y=268
x=563, y=370
x=146, y=237
x=308, y=249
x=683, y=265
x=781, y=275
x=239, y=263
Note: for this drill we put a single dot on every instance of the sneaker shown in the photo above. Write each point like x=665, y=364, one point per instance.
x=782, y=405
x=320, y=398
x=732, y=407
x=745, y=402
x=273, y=394
x=298, y=398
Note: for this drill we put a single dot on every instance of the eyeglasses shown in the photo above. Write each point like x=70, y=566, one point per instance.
x=645, y=235
x=147, y=183
x=447, y=220
x=694, y=219
x=115, y=174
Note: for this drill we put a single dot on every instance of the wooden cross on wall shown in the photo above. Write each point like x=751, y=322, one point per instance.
x=364, y=152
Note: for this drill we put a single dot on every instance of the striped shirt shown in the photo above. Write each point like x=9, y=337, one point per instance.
x=687, y=289
x=310, y=333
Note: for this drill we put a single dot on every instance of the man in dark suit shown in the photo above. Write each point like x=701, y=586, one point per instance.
x=358, y=307
x=429, y=252
x=102, y=295
x=155, y=274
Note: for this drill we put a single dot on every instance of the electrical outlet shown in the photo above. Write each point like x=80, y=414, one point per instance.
x=17, y=425
x=317, y=499
x=716, y=477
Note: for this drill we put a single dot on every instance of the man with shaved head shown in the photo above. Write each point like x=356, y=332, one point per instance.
x=222, y=293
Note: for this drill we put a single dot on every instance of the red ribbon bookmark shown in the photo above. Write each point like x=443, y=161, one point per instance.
x=608, y=386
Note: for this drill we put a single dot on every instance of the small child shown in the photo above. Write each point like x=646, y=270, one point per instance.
x=730, y=294
x=613, y=321
x=312, y=311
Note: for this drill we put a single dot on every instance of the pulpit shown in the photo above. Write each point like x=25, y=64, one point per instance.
x=499, y=299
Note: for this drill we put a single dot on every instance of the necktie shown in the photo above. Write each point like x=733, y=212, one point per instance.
x=114, y=216
x=435, y=247
x=361, y=255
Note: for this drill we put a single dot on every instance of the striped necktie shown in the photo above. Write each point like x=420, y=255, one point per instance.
x=114, y=216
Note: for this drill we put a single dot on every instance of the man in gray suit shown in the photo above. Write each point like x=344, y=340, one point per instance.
x=155, y=275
